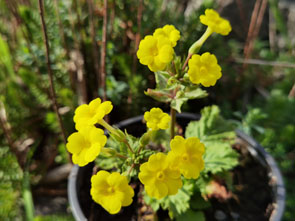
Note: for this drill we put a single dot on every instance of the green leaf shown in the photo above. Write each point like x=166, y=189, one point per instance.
x=217, y=135
x=161, y=79
x=179, y=203
x=177, y=103
x=186, y=93
x=211, y=123
x=159, y=95
x=191, y=215
x=219, y=157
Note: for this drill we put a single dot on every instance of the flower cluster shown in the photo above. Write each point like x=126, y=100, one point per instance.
x=161, y=172
x=156, y=50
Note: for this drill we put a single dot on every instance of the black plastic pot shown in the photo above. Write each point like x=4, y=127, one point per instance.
x=256, y=150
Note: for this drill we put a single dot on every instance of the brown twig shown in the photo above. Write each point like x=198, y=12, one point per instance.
x=95, y=53
x=5, y=126
x=186, y=61
x=50, y=73
x=103, y=51
x=254, y=28
x=137, y=35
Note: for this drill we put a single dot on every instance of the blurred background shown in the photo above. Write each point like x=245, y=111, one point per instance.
x=92, y=50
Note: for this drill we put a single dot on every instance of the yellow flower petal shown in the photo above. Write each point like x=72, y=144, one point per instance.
x=213, y=20
x=203, y=69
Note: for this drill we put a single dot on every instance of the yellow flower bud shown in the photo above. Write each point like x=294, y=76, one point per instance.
x=156, y=119
x=203, y=69
x=158, y=177
x=111, y=191
x=215, y=22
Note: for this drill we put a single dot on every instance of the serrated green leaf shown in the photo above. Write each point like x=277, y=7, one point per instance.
x=179, y=203
x=211, y=123
x=217, y=135
x=191, y=215
x=219, y=157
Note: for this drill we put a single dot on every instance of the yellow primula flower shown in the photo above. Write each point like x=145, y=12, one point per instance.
x=215, y=22
x=169, y=32
x=203, y=69
x=158, y=177
x=86, y=144
x=156, y=119
x=111, y=191
x=89, y=115
x=187, y=156
x=154, y=52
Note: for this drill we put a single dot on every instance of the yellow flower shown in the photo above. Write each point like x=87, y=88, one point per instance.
x=88, y=115
x=215, y=22
x=169, y=32
x=158, y=177
x=187, y=156
x=111, y=191
x=156, y=119
x=203, y=69
x=154, y=52
x=86, y=144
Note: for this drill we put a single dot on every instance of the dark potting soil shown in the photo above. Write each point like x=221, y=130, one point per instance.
x=250, y=198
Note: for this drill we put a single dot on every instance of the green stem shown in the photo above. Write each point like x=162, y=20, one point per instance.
x=27, y=197
x=173, y=120
x=198, y=44
x=112, y=130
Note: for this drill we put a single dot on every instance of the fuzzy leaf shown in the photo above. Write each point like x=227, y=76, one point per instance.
x=161, y=79
x=219, y=157
x=159, y=95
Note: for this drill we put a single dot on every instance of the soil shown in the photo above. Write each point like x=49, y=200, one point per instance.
x=251, y=196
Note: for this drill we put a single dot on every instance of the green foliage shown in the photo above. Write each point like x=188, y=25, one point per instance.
x=191, y=215
x=176, y=204
x=166, y=85
x=10, y=186
x=217, y=135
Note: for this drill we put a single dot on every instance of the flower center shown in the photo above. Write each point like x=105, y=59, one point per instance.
x=87, y=144
x=185, y=157
x=160, y=175
x=111, y=189
x=203, y=70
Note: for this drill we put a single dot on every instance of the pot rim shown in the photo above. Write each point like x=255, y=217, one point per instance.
x=256, y=150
